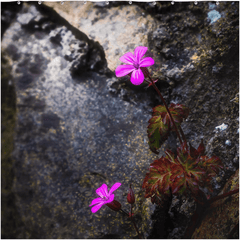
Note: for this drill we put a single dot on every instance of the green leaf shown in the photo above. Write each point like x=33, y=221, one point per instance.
x=157, y=133
x=160, y=124
x=178, y=112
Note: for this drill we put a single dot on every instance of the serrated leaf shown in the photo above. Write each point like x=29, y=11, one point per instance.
x=179, y=186
x=178, y=179
x=212, y=165
x=201, y=148
x=180, y=174
x=178, y=112
x=157, y=181
x=170, y=156
x=160, y=124
x=193, y=151
x=158, y=132
x=160, y=175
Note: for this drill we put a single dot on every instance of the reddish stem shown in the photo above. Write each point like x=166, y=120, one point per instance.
x=183, y=135
x=169, y=113
x=196, y=218
x=139, y=236
x=135, y=226
x=222, y=196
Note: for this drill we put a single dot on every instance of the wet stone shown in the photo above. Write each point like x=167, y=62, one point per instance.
x=71, y=135
x=78, y=126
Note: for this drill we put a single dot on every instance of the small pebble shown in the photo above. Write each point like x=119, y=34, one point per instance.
x=221, y=127
x=218, y=179
x=228, y=142
x=214, y=16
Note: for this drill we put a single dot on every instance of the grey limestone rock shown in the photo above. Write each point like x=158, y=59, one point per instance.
x=78, y=126
x=71, y=136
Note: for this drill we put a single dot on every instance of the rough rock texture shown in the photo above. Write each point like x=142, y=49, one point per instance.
x=10, y=219
x=71, y=136
x=199, y=61
x=8, y=13
x=118, y=29
x=78, y=126
x=222, y=216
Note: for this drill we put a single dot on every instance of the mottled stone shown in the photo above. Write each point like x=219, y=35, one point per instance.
x=77, y=126
x=117, y=29
x=222, y=216
x=71, y=136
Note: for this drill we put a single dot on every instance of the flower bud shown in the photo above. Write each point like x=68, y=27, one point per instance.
x=145, y=71
x=114, y=205
x=130, y=196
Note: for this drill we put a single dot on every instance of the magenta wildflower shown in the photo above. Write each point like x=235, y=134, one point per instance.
x=105, y=196
x=135, y=62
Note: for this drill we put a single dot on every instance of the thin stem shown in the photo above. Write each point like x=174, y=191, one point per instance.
x=135, y=224
x=169, y=113
x=182, y=133
x=195, y=219
x=222, y=196
x=124, y=212
x=136, y=228
x=132, y=221
x=201, y=207
x=131, y=210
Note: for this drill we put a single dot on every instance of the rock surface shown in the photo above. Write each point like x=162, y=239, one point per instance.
x=118, y=29
x=71, y=135
x=78, y=126
x=222, y=216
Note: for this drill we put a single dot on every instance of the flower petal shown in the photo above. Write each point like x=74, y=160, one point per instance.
x=110, y=199
x=96, y=201
x=146, y=62
x=137, y=77
x=127, y=58
x=123, y=70
x=139, y=53
x=97, y=207
x=102, y=191
x=114, y=187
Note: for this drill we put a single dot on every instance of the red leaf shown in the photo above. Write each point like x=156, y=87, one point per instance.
x=193, y=151
x=181, y=174
x=160, y=124
x=178, y=112
x=201, y=148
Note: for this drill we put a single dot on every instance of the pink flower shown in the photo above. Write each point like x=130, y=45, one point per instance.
x=135, y=62
x=105, y=196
